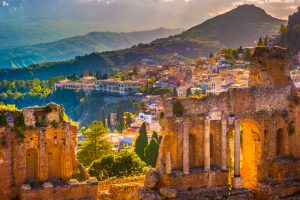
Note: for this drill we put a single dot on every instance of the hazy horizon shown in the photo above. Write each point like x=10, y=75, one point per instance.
x=136, y=15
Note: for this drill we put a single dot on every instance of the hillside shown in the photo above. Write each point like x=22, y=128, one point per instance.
x=75, y=46
x=234, y=28
x=293, y=33
x=238, y=27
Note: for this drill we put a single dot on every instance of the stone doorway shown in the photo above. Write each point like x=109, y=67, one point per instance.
x=54, y=161
x=31, y=165
x=251, y=151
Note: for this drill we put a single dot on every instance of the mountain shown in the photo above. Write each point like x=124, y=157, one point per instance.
x=75, y=46
x=293, y=33
x=240, y=26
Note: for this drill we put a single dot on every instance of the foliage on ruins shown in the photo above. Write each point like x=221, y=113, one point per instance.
x=178, y=109
x=124, y=164
x=95, y=144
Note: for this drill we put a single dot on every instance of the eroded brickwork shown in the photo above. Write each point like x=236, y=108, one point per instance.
x=36, y=145
x=251, y=137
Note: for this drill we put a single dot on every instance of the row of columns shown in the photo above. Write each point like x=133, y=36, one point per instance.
x=237, y=182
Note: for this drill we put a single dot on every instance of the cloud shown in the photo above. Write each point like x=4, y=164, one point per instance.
x=127, y=15
x=5, y=4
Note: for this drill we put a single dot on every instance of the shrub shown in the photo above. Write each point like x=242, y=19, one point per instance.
x=78, y=176
x=126, y=163
x=47, y=109
x=3, y=121
x=178, y=109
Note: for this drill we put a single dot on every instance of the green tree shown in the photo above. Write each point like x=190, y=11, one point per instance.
x=126, y=163
x=266, y=41
x=128, y=119
x=151, y=152
x=141, y=142
x=260, y=42
x=103, y=117
x=155, y=135
x=95, y=144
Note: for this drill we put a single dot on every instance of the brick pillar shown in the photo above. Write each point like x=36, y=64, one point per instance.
x=186, y=147
x=207, y=145
x=168, y=163
x=237, y=180
x=224, y=144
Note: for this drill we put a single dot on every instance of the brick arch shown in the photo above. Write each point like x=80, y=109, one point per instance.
x=31, y=164
x=251, y=152
x=54, y=162
x=279, y=142
x=192, y=150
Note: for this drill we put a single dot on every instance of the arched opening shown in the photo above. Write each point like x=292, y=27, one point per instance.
x=251, y=151
x=192, y=149
x=279, y=143
x=31, y=164
x=54, y=162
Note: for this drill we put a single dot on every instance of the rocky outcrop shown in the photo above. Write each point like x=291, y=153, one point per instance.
x=151, y=179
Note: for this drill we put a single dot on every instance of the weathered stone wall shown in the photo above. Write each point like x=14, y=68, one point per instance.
x=267, y=115
x=78, y=192
x=36, y=145
x=5, y=163
x=195, y=180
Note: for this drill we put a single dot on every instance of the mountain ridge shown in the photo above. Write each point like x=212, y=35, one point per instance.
x=198, y=41
x=68, y=48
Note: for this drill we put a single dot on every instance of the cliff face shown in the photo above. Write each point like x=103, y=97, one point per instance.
x=37, y=144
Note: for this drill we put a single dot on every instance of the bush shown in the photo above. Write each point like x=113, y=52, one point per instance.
x=3, y=121
x=126, y=163
x=178, y=109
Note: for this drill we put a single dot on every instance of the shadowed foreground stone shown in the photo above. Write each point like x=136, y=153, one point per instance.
x=168, y=192
x=151, y=179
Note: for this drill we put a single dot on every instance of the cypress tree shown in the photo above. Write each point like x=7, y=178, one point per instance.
x=141, y=142
x=260, y=42
x=155, y=136
x=151, y=152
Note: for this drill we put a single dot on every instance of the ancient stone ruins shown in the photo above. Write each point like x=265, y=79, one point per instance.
x=37, y=144
x=245, y=142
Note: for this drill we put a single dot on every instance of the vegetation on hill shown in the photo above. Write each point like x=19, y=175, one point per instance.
x=241, y=26
x=81, y=107
x=70, y=47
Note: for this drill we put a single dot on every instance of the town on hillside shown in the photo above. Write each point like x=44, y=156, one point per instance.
x=182, y=117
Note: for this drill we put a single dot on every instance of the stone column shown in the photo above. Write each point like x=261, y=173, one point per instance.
x=207, y=145
x=186, y=147
x=224, y=144
x=237, y=180
x=168, y=163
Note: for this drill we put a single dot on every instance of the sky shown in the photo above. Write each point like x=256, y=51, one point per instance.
x=129, y=15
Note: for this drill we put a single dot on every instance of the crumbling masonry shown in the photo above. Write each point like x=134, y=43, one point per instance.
x=245, y=138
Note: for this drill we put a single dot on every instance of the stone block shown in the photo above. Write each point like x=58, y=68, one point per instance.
x=151, y=179
x=168, y=192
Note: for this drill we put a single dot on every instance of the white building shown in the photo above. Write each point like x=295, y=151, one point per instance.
x=120, y=87
x=87, y=84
